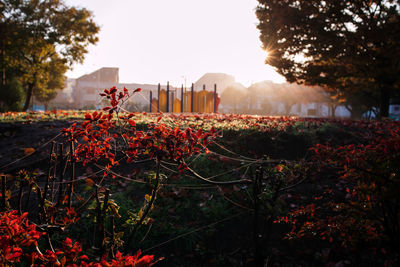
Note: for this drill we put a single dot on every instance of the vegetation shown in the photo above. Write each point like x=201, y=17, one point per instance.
x=206, y=189
x=349, y=48
x=40, y=40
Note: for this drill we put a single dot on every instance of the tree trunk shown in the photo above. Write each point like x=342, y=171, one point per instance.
x=384, y=102
x=288, y=108
x=333, y=108
x=28, y=97
x=334, y=111
x=356, y=113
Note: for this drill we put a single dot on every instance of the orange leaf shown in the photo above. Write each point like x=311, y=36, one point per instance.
x=29, y=150
x=63, y=261
x=89, y=182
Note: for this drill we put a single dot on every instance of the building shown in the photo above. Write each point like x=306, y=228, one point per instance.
x=87, y=90
x=64, y=98
x=209, y=79
x=263, y=98
x=88, y=87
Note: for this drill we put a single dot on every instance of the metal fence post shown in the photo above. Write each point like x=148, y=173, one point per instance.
x=158, y=98
x=151, y=100
x=167, y=110
x=215, y=98
x=191, y=98
x=182, y=97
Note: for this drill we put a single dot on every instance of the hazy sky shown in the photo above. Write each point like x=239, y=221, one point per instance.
x=154, y=41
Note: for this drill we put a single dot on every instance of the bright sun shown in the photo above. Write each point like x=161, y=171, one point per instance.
x=259, y=74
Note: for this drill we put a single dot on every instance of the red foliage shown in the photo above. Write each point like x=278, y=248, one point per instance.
x=159, y=142
x=18, y=236
x=15, y=233
x=361, y=208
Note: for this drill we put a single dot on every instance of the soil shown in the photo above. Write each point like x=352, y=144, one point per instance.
x=17, y=139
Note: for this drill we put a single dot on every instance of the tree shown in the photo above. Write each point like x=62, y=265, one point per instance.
x=36, y=32
x=258, y=95
x=288, y=95
x=232, y=99
x=11, y=95
x=352, y=46
x=51, y=81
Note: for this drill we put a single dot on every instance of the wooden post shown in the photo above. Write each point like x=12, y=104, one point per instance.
x=205, y=100
x=215, y=98
x=20, y=195
x=71, y=185
x=182, y=97
x=62, y=173
x=158, y=98
x=257, y=183
x=191, y=98
x=48, y=178
x=3, y=193
x=167, y=110
x=151, y=98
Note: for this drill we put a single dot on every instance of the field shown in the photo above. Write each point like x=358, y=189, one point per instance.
x=205, y=189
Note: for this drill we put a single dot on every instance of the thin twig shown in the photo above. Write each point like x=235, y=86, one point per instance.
x=242, y=181
x=28, y=155
x=193, y=231
x=149, y=205
x=71, y=185
x=3, y=193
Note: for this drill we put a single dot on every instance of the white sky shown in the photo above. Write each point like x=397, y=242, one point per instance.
x=154, y=41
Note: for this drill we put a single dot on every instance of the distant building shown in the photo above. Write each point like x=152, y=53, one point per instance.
x=209, y=79
x=88, y=87
x=64, y=98
x=268, y=98
x=394, y=108
x=263, y=98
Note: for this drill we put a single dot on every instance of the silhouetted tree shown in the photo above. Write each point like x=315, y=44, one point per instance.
x=353, y=46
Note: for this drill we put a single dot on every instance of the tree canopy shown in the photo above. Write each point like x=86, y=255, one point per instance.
x=351, y=46
x=41, y=39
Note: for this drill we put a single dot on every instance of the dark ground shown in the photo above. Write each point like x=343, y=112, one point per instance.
x=16, y=137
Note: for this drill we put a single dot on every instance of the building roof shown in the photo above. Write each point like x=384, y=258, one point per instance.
x=222, y=80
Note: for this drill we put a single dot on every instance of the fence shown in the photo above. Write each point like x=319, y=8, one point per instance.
x=167, y=101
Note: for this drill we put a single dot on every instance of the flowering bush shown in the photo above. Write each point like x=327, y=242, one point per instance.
x=351, y=210
x=360, y=209
x=19, y=240
x=98, y=141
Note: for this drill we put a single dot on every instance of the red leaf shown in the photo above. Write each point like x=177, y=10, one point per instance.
x=84, y=257
x=88, y=116
x=68, y=242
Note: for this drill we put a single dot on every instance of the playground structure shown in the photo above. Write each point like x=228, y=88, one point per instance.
x=200, y=102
